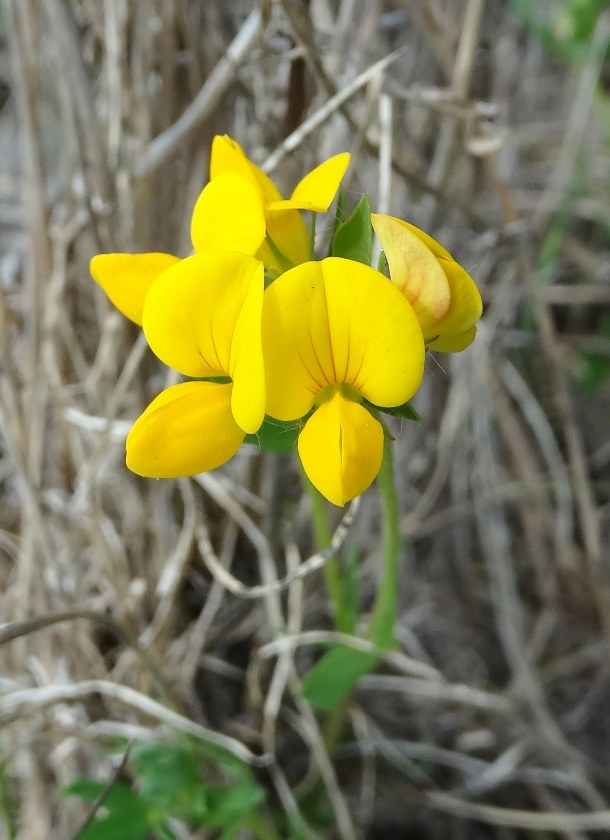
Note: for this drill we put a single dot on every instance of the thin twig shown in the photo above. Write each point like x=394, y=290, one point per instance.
x=105, y=792
x=28, y=700
x=312, y=564
x=202, y=107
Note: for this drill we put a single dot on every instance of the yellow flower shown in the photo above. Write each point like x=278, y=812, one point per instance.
x=443, y=295
x=126, y=278
x=216, y=224
x=336, y=333
x=288, y=241
x=241, y=210
x=202, y=316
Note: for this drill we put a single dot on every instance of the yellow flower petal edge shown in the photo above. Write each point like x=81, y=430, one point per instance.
x=437, y=249
x=229, y=214
x=228, y=156
x=414, y=269
x=454, y=342
x=288, y=239
x=246, y=366
x=191, y=313
x=290, y=236
x=457, y=329
x=127, y=278
x=338, y=321
x=188, y=429
x=341, y=448
x=318, y=188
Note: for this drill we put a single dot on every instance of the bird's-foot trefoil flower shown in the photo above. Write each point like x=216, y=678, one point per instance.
x=288, y=241
x=339, y=339
x=126, y=278
x=216, y=225
x=443, y=295
x=202, y=317
x=229, y=215
x=241, y=210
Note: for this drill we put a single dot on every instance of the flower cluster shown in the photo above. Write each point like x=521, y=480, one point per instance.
x=265, y=334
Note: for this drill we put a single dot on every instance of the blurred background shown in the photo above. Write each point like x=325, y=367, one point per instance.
x=485, y=122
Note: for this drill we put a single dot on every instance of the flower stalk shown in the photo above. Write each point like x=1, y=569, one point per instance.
x=332, y=572
x=384, y=613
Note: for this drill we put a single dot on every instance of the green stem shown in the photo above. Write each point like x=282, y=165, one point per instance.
x=283, y=261
x=312, y=236
x=334, y=724
x=332, y=572
x=384, y=613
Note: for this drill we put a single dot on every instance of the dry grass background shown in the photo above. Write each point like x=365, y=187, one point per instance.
x=470, y=131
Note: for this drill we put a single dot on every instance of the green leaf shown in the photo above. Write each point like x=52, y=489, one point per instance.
x=222, y=759
x=334, y=677
x=595, y=368
x=353, y=238
x=405, y=410
x=339, y=212
x=276, y=435
x=170, y=780
x=230, y=804
x=163, y=832
x=124, y=815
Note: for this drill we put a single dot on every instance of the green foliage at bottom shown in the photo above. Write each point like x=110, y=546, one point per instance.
x=169, y=784
x=7, y=809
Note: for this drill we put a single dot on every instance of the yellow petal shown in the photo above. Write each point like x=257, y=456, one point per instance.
x=246, y=366
x=341, y=447
x=295, y=369
x=453, y=330
x=453, y=342
x=464, y=311
x=431, y=243
x=187, y=429
x=126, y=278
x=192, y=310
x=228, y=156
x=290, y=237
x=414, y=269
x=229, y=214
x=338, y=321
x=376, y=340
x=318, y=188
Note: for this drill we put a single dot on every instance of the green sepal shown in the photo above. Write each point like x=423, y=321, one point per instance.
x=335, y=676
x=339, y=218
x=405, y=411
x=276, y=435
x=217, y=380
x=353, y=238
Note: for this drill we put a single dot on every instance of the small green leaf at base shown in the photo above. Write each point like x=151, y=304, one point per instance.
x=335, y=676
x=406, y=411
x=353, y=238
x=276, y=436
